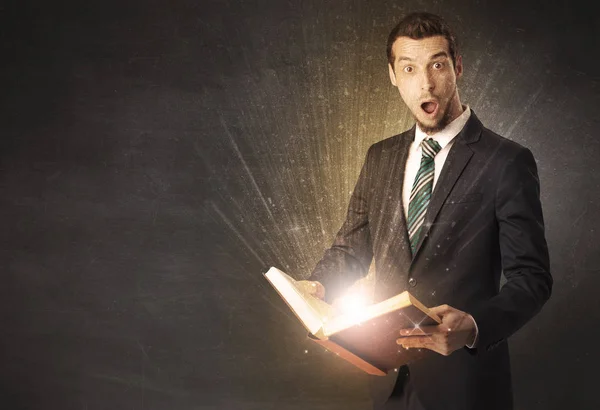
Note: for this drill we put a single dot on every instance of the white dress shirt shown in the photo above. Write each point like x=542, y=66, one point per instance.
x=445, y=138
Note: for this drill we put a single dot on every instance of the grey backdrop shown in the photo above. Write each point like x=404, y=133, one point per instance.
x=158, y=156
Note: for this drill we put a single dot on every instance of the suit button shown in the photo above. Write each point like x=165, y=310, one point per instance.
x=412, y=282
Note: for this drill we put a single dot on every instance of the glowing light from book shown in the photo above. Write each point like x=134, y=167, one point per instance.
x=353, y=305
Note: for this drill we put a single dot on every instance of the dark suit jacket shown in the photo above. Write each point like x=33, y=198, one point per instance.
x=484, y=217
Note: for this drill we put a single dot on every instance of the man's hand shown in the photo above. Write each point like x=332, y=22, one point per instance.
x=312, y=288
x=456, y=330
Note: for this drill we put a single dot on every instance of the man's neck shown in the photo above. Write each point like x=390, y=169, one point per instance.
x=457, y=111
x=450, y=130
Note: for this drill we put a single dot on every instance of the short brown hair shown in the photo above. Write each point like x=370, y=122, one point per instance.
x=421, y=25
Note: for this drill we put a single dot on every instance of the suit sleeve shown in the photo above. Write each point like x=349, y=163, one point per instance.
x=349, y=257
x=524, y=254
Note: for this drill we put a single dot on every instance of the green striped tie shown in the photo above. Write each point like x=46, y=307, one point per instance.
x=421, y=191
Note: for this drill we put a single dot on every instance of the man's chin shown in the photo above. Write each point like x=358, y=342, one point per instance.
x=431, y=127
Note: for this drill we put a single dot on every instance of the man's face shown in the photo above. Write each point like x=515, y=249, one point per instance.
x=424, y=74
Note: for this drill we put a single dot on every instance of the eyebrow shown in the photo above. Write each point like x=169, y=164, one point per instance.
x=433, y=57
x=440, y=54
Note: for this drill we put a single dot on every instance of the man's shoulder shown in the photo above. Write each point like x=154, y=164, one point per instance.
x=489, y=142
x=393, y=142
x=499, y=145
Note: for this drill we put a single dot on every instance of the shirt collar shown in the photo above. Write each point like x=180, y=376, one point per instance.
x=446, y=135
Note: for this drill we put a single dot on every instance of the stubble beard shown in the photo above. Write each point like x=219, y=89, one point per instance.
x=440, y=125
x=444, y=121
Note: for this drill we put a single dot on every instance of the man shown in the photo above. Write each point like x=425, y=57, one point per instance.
x=443, y=209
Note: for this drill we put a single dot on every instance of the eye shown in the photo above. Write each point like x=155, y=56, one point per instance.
x=438, y=65
x=408, y=69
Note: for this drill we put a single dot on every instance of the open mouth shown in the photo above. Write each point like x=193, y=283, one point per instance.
x=429, y=107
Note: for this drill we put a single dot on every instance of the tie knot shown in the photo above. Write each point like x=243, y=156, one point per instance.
x=430, y=147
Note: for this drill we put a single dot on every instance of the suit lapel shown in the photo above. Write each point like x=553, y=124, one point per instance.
x=391, y=242
x=400, y=163
x=455, y=163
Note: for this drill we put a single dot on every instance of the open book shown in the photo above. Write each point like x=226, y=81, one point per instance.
x=365, y=336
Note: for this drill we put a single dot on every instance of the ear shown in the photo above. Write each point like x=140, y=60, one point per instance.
x=392, y=75
x=459, y=67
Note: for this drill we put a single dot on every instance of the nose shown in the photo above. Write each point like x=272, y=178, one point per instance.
x=427, y=83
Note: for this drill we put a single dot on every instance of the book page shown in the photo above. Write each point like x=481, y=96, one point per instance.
x=311, y=311
x=366, y=313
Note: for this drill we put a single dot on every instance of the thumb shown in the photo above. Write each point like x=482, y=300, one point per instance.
x=440, y=310
x=312, y=288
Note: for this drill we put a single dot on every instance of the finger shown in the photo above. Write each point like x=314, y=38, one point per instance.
x=435, y=338
x=312, y=288
x=440, y=310
x=417, y=342
x=304, y=285
x=425, y=343
x=319, y=290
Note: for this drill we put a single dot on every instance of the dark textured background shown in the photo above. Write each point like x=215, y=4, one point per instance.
x=157, y=156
